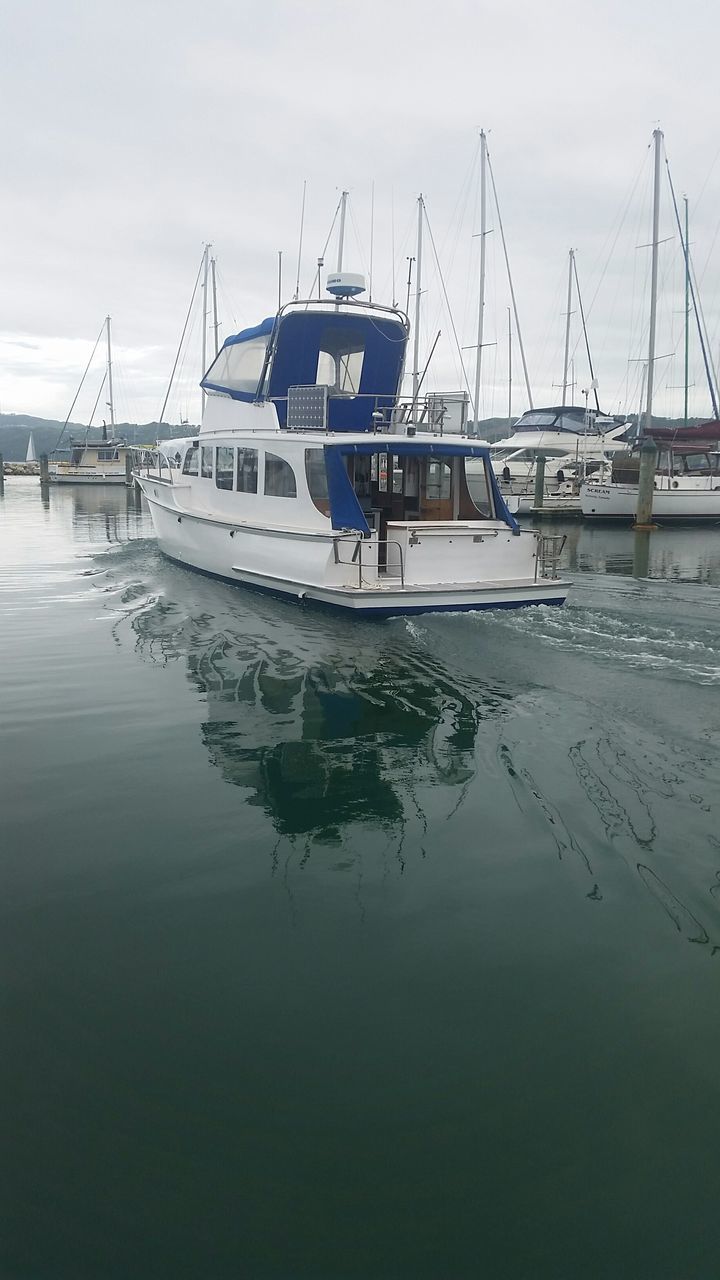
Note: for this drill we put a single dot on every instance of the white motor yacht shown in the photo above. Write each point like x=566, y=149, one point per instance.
x=574, y=442
x=304, y=480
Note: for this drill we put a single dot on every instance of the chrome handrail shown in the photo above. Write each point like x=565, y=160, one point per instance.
x=356, y=557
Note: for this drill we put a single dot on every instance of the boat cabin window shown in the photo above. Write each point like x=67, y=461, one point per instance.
x=340, y=361
x=107, y=455
x=238, y=367
x=279, y=478
x=224, y=467
x=247, y=470
x=475, y=490
x=206, y=466
x=697, y=462
x=191, y=465
x=536, y=419
x=317, y=479
x=76, y=457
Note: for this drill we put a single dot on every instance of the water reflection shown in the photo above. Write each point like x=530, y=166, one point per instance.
x=104, y=513
x=678, y=555
x=321, y=739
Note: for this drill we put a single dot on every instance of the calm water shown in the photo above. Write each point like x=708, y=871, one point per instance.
x=345, y=949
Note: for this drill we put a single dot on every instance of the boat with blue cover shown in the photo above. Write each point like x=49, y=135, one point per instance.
x=306, y=480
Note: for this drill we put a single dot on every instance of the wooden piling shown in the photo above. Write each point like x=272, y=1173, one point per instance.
x=44, y=470
x=539, y=492
x=646, y=485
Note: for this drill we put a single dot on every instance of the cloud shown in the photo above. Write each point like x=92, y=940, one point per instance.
x=132, y=134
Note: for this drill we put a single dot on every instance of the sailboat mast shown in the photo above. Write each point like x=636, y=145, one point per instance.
x=481, y=301
x=567, y=328
x=215, y=310
x=687, y=309
x=111, y=404
x=658, y=137
x=203, y=355
x=418, y=288
x=341, y=236
x=509, y=368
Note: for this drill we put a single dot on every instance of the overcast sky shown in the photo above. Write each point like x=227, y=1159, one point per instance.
x=133, y=132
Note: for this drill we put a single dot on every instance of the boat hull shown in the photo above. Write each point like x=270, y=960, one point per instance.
x=297, y=565
x=619, y=502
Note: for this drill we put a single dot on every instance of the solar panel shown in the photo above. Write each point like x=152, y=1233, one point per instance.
x=307, y=408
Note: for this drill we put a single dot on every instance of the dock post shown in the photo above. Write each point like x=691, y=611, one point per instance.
x=44, y=472
x=128, y=468
x=646, y=485
x=539, y=492
x=2, y=474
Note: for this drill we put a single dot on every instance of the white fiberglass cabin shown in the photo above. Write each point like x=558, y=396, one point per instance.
x=571, y=439
x=302, y=482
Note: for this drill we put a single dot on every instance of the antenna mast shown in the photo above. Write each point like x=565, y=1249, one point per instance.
x=481, y=303
x=341, y=236
x=302, y=228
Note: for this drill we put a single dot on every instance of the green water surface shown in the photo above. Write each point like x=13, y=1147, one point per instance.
x=333, y=948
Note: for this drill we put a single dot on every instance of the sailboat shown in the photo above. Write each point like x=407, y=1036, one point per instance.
x=687, y=478
x=575, y=441
x=106, y=461
x=31, y=456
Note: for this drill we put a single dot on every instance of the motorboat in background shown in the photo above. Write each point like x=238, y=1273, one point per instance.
x=305, y=481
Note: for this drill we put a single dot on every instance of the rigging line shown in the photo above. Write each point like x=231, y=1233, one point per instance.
x=693, y=294
x=358, y=241
x=316, y=277
x=593, y=379
x=300, y=244
x=77, y=393
x=182, y=339
x=447, y=301
x=97, y=401
x=619, y=229
x=510, y=281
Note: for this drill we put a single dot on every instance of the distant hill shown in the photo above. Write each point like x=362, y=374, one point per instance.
x=15, y=431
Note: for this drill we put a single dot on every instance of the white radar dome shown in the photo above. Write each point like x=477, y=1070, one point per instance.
x=345, y=284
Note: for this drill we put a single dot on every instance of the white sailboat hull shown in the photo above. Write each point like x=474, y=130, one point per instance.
x=619, y=502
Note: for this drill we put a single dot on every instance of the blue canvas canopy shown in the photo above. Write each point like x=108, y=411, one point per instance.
x=356, y=354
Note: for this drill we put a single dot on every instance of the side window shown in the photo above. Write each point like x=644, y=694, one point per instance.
x=192, y=462
x=279, y=478
x=224, y=467
x=478, y=488
x=317, y=479
x=247, y=470
x=206, y=468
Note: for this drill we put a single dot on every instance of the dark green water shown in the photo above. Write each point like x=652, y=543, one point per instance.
x=345, y=949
